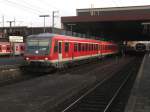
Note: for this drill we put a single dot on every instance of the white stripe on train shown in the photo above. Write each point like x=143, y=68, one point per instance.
x=75, y=58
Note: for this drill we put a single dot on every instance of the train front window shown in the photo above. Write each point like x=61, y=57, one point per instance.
x=43, y=45
x=32, y=44
x=38, y=46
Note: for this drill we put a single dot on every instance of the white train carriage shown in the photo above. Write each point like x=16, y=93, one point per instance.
x=18, y=48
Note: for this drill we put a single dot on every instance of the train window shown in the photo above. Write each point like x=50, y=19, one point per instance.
x=110, y=47
x=22, y=48
x=102, y=48
x=105, y=47
x=66, y=47
x=56, y=47
x=86, y=47
x=17, y=48
x=79, y=46
x=75, y=47
x=3, y=47
x=82, y=47
x=8, y=47
x=60, y=47
x=92, y=47
x=96, y=47
x=89, y=47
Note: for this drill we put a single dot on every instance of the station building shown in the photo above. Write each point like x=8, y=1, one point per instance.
x=117, y=23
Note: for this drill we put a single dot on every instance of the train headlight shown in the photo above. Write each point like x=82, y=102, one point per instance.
x=46, y=58
x=27, y=58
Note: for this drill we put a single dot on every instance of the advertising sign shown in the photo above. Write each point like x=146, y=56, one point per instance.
x=16, y=38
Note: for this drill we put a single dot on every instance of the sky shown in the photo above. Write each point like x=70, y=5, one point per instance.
x=26, y=12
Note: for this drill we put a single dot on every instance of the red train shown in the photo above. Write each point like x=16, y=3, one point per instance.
x=57, y=51
x=7, y=48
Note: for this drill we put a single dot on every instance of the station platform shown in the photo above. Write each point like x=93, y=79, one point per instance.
x=11, y=60
x=139, y=100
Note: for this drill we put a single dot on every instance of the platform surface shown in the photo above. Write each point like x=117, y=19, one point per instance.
x=139, y=100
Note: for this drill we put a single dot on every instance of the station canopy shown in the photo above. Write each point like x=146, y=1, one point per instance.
x=116, y=23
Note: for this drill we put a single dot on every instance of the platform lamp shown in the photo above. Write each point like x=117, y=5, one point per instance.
x=71, y=27
x=44, y=16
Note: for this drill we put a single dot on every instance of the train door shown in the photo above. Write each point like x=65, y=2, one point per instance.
x=99, y=50
x=16, y=48
x=60, y=51
x=0, y=49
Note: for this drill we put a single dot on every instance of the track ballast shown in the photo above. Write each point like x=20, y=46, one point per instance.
x=102, y=96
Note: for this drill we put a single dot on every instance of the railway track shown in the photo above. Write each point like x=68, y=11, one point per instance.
x=101, y=98
x=12, y=74
x=8, y=67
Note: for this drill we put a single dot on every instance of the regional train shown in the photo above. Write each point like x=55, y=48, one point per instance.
x=8, y=48
x=138, y=46
x=49, y=50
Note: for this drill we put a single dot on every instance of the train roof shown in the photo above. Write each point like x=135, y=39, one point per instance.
x=51, y=35
x=42, y=35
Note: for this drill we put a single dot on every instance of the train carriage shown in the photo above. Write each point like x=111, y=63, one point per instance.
x=138, y=46
x=18, y=48
x=5, y=48
x=56, y=51
x=8, y=48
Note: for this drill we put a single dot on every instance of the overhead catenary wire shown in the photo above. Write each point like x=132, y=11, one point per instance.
x=34, y=6
x=54, y=7
x=23, y=7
